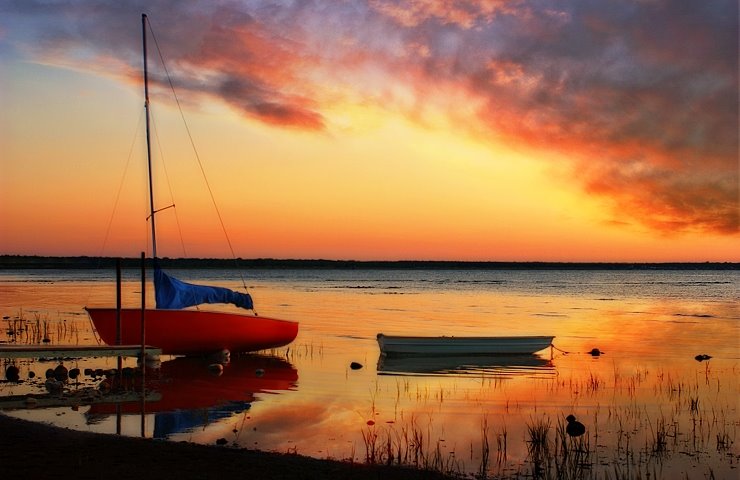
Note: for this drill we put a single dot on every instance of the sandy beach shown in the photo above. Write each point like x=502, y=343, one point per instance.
x=30, y=450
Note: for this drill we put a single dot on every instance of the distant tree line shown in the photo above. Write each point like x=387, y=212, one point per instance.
x=85, y=262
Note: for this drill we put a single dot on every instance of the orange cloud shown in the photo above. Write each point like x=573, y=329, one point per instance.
x=464, y=13
x=640, y=97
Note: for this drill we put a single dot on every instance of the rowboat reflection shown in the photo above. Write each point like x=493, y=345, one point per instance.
x=493, y=366
x=191, y=394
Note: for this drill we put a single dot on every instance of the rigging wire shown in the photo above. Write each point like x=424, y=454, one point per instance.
x=120, y=185
x=116, y=202
x=197, y=156
x=169, y=187
x=169, y=184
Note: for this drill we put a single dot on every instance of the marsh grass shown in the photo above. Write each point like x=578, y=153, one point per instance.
x=485, y=449
x=641, y=424
x=501, y=444
x=40, y=328
x=538, y=445
x=408, y=445
x=298, y=351
x=659, y=437
x=694, y=405
x=593, y=383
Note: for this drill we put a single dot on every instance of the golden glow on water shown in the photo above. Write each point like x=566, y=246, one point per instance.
x=647, y=404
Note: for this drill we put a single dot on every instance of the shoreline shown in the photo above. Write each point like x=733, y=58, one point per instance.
x=36, y=451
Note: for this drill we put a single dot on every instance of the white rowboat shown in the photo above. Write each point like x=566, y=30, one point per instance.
x=398, y=345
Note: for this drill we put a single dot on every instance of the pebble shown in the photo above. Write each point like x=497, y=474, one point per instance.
x=12, y=373
x=104, y=387
x=54, y=386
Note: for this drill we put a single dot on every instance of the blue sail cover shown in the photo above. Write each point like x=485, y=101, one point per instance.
x=171, y=293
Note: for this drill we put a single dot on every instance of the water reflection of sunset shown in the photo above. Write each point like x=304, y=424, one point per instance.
x=645, y=383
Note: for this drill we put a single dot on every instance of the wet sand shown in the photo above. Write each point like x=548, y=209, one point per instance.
x=36, y=451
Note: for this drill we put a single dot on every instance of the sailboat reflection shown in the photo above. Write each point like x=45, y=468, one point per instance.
x=501, y=366
x=192, y=393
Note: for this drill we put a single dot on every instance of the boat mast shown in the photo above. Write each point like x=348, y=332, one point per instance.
x=148, y=142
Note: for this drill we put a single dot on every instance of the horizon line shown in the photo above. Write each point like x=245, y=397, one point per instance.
x=92, y=261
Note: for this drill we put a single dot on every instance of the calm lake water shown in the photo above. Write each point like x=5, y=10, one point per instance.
x=650, y=408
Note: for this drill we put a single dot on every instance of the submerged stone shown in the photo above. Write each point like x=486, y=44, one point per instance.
x=61, y=373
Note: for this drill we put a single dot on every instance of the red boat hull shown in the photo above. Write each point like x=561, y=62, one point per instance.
x=188, y=332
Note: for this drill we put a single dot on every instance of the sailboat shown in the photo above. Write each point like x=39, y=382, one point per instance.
x=173, y=326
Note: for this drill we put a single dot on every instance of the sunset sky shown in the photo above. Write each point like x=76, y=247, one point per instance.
x=574, y=130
